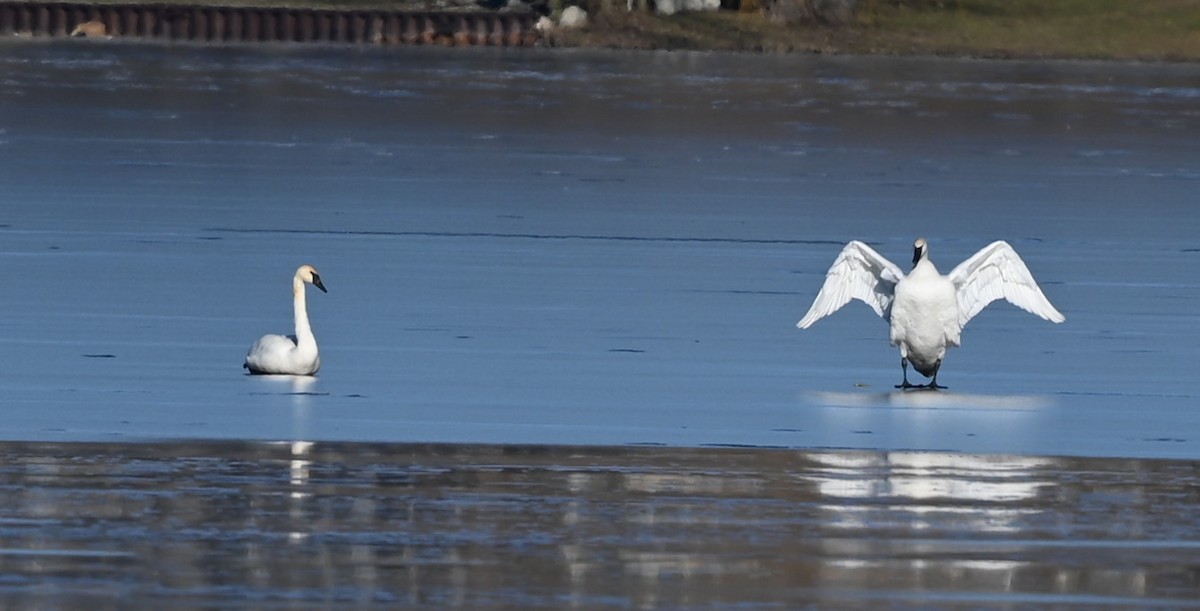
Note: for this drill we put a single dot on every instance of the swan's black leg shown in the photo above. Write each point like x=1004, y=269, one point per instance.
x=904, y=366
x=933, y=383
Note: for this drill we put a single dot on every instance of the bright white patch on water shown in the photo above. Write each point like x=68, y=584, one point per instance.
x=926, y=399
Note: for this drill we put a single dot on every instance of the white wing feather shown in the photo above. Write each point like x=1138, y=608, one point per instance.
x=996, y=272
x=858, y=273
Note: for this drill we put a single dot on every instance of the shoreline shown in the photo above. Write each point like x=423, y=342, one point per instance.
x=894, y=31
x=901, y=28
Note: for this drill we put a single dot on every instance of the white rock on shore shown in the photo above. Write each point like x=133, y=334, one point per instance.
x=670, y=7
x=573, y=17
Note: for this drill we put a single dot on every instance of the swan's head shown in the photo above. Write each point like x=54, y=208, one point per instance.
x=920, y=250
x=308, y=273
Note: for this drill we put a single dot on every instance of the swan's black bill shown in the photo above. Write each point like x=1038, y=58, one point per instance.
x=317, y=283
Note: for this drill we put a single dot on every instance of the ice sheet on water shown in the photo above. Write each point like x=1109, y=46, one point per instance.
x=593, y=248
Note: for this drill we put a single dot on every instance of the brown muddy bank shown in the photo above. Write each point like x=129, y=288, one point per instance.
x=1156, y=30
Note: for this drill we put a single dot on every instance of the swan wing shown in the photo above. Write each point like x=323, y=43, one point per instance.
x=270, y=354
x=997, y=272
x=858, y=273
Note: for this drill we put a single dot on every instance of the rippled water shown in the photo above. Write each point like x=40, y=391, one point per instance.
x=224, y=525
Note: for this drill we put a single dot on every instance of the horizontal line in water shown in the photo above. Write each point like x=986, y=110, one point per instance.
x=63, y=553
x=522, y=236
x=1019, y=544
x=927, y=597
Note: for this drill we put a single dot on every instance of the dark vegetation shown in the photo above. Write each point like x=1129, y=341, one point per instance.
x=1095, y=29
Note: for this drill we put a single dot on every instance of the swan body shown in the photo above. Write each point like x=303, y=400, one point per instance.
x=925, y=309
x=291, y=354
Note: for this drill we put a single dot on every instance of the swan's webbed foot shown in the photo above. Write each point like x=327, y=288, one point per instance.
x=904, y=366
x=933, y=385
x=930, y=386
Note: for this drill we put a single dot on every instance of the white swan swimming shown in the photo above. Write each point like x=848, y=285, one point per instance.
x=926, y=310
x=292, y=354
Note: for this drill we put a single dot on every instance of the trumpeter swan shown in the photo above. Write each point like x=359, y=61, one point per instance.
x=926, y=310
x=291, y=354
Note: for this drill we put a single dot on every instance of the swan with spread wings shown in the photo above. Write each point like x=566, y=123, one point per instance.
x=925, y=309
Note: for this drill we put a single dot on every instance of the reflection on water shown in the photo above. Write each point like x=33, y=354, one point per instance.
x=929, y=399
x=356, y=525
x=298, y=386
x=301, y=390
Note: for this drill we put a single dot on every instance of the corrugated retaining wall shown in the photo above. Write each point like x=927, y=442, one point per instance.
x=247, y=24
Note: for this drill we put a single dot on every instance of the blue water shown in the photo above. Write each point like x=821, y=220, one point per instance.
x=587, y=248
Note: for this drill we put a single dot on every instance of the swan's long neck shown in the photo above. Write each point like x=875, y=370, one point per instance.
x=924, y=267
x=304, y=334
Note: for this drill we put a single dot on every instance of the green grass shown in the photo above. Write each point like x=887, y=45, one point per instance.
x=1143, y=29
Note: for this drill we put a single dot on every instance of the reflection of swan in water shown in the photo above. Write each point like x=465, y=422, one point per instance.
x=298, y=386
x=926, y=310
x=929, y=400
x=301, y=393
x=293, y=354
x=990, y=493
x=302, y=385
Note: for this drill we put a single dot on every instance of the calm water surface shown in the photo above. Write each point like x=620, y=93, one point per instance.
x=556, y=259
x=535, y=247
